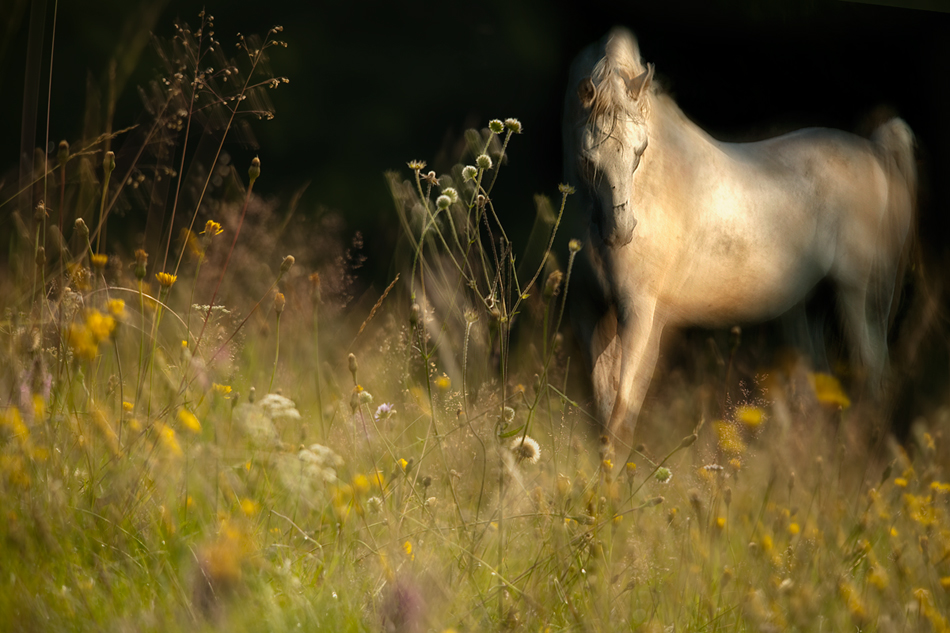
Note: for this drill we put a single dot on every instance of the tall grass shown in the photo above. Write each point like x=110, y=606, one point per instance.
x=413, y=459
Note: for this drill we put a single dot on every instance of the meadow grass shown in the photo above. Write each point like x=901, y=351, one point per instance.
x=235, y=442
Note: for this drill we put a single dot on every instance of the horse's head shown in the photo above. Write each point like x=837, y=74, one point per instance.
x=610, y=133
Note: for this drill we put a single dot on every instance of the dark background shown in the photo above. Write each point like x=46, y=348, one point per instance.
x=376, y=84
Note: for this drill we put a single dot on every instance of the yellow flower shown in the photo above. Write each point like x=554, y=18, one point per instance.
x=99, y=325
x=360, y=484
x=751, y=417
x=99, y=261
x=877, y=577
x=900, y=482
x=169, y=441
x=828, y=390
x=729, y=439
x=249, y=507
x=212, y=228
x=116, y=308
x=166, y=280
x=223, y=390
x=720, y=522
x=403, y=464
x=443, y=383
x=189, y=421
x=939, y=488
x=407, y=547
x=793, y=529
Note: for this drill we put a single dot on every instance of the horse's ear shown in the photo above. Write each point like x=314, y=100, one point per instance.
x=636, y=86
x=585, y=92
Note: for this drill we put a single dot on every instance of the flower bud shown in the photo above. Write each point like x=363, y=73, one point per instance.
x=141, y=262
x=469, y=172
x=483, y=161
x=354, y=366
x=279, y=302
x=574, y=245
x=443, y=202
x=496, y=126
x=513, y=125
x=108, y=163
x=553, y=285
x=255, y=170
x=41, y=256
x=81, y=229
x=415, y=314
x=287, y=264
x=62, y=154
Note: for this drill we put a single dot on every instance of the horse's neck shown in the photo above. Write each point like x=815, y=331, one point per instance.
x=676, y=137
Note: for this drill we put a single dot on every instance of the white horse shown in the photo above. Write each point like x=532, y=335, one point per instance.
x=688, y=230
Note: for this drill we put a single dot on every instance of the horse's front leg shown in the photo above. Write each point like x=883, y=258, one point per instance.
x=639, y=331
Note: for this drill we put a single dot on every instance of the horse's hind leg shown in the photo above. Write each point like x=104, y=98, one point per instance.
x=865, y=318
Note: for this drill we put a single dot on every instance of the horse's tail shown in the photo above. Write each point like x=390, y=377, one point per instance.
x=895, y=140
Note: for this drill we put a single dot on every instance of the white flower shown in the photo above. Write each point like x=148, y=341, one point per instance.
x=526, y=449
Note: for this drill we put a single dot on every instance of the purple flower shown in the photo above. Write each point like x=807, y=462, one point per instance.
x=384, y=411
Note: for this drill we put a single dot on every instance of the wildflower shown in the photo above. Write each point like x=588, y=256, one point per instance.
x=828, y=390
x=483, y=161
x=141, y=261
x=167, y=436
x=108, y=163
x=793, y=529
x=566, y=189
x=443, y=202
x=526, y=449
x=81, y=229
x=127, y=406
x=62, y=153
x=513, y=125
x=430, y=178
x=249, y=507
x=99, y=261
x=443, y=383
x=553, y=285
x=100, y=325
x=574, y=245
x=403, y=464
x=189, y=421
x=212, y=228
x=750, y=417
x=279, y=302
x=116, y=308
x=940, y=488
x=374, y=505
x=360, y=484
x=166, y=280
x=417, y=165
x=353, y=366
x=287, y=264
x=384, y=411
x=663, y=475
x=877, y=577
x=469, y=172
x=900, y=482
x=508, y=414
x=407, y=548
x=721, y=522
x=451, y=193
x=254, y=171
x=496, y=126
x=223, y=390
x=729, y=440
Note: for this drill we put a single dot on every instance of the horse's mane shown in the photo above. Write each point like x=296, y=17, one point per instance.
x=610, y=78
